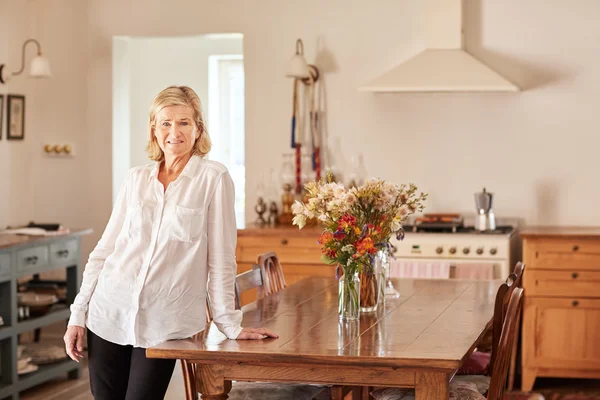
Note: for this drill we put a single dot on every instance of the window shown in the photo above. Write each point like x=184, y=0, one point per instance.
x=226, y=122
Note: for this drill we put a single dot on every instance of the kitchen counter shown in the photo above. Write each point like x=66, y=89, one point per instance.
x=254, y=230
x=590, y=232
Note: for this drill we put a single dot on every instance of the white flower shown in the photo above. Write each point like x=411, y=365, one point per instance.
x=395, y=225
x=350, y=198
x=402, y=212
x=300, y=220
x=348, y=248
x=297, y=207
x=322, y=217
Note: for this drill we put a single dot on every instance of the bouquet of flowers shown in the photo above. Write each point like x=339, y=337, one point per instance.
x=358, y=222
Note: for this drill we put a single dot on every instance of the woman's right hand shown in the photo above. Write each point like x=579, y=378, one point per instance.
x=74, y=342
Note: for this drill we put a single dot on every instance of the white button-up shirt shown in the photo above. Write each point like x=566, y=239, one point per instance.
x=146, y=280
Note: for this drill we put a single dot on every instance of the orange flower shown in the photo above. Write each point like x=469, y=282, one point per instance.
x=325, y=238
x=365, y=246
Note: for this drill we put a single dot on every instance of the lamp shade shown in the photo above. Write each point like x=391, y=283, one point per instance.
x=298, y=67
x=40, y=67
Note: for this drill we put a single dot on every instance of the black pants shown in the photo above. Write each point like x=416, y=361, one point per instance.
x=124, y=373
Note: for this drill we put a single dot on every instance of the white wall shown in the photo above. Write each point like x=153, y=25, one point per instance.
x=536, y=150
x=16, y=168
x=32, y=185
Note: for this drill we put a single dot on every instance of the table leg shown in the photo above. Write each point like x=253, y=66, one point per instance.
x=431, y=386
x=337, y=393
x=361, y=392
x=213, y=386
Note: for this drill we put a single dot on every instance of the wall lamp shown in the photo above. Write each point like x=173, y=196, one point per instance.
x=299, y=68
x=39, y=67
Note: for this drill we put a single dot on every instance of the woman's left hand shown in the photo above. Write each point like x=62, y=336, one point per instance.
x=255, y=334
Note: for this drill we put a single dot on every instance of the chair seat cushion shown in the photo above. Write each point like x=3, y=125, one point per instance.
x=481, y=381
x=273, y=391
x=476, y=364
x=460, y=390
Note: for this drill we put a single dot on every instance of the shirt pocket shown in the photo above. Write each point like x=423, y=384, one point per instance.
x=136, y=219
x=187, y=224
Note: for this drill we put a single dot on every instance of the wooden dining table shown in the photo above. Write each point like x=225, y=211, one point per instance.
x=418, y=340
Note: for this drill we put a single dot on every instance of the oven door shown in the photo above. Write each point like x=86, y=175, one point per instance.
x=441, y=268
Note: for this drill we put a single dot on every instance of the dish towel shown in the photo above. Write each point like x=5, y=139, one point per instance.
x=478, y=271
x=419, y=269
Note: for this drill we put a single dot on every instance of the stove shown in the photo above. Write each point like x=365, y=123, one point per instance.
x=456, y=251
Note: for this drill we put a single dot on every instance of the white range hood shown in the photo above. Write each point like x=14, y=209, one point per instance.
x=445, y=65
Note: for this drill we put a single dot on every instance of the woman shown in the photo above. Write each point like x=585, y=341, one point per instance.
x=172, y=227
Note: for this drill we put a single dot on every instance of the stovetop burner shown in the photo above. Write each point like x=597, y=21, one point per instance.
x=439, y=228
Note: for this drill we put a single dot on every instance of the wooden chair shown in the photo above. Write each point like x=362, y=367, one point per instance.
x=248, y=280
x=267, y=278
x=189, y=369
x=481, y=363
x=507, y=339
x=517, y=277
x=501, y=362
x=272, y=273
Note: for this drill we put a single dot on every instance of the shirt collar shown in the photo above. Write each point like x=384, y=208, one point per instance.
x=189, y=170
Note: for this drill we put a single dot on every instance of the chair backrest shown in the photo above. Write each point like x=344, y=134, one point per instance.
x=517, y=275
x=272, y=273
x=246, y=281
x=514, y=280
x=505, y=345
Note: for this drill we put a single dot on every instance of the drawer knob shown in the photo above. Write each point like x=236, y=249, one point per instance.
x=575, y=303
x=31, y=259
x=284, y=241
x=574, y=275
x=63, y=253
x=575, y=248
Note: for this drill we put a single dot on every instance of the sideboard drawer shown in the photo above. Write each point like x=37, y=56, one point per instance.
x=566, y=261
x=5, y=265
x=31, y=258
x=289, y=249
x=564, y=254
x=63, y=253
x=575, y=283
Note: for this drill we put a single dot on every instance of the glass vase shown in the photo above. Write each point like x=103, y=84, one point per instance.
x=370, y=285
x=389, y=289
x=383, y=270
x=349, y=297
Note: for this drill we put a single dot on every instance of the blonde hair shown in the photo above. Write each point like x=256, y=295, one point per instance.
x=177, y=96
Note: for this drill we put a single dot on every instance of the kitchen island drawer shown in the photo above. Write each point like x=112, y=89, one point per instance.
x=63, y=253
x=32, y=257
x=574, y=283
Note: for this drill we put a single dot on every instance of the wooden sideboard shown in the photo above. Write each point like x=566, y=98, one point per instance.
x=561, y=317
x=22, y=256
x=298, y=252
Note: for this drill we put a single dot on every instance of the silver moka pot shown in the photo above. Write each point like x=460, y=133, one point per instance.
x=485, y=219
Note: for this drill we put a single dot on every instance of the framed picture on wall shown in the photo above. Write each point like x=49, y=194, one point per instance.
x=1, y=113
x=15, y=117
